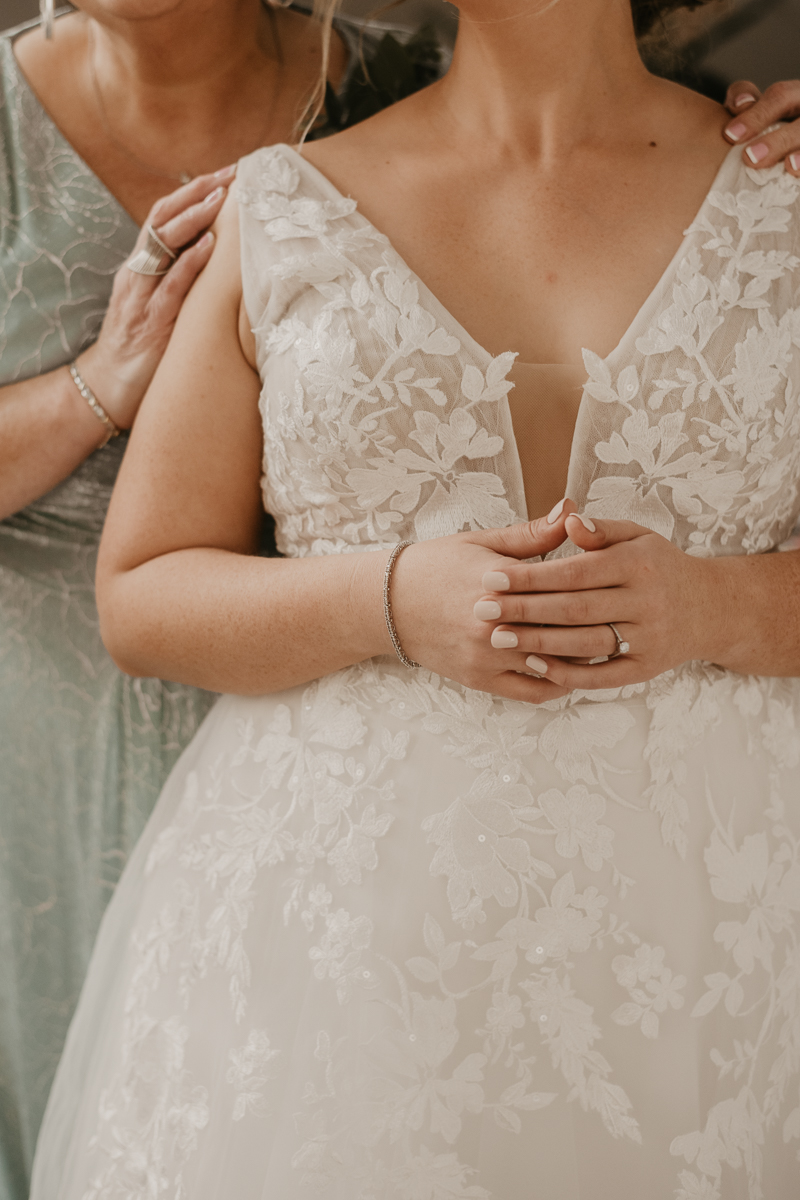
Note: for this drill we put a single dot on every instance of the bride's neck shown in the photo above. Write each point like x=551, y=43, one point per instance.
x=545, y=75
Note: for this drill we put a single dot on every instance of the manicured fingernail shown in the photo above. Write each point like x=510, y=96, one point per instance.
x=757, y=152
x=214, y=196
x=495, y=581
x=536, y=664
x=487, y=610
x=745, y=98
x=205, y=240
x=794, y=162
x=736, y=131
x=504, y=639
x=225, y=172
x=587, y=522
x=555, y=513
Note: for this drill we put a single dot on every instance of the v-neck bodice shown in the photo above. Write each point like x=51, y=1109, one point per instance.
x=385, y=419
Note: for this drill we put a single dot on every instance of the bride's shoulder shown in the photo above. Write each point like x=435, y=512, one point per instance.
x=375, y=152
x=686, y=121
x=679, y=102
x=220, y=281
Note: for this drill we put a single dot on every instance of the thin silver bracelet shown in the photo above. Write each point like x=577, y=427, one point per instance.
x=94, y=404
x=387, y=606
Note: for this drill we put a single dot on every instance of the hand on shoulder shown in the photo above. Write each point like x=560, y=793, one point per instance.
x=754, y=112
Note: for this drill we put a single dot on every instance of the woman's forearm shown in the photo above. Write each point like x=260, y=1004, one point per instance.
x=46, y=430
x=234, y=623
x=753, y=613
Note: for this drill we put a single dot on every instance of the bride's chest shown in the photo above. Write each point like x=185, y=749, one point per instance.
x=545, y=281
x=542, y=260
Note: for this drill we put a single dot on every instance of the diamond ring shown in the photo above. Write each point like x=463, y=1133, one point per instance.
x=623, y=647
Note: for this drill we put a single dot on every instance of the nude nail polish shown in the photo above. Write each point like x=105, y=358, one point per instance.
x=214, y=196
x=587, y=522
x=745, y=98
x=536, y=664
x=794, y=162
x=504, y=639
x=555, y=512
x=736, y=131
x=495, y=581
x=487, y=610
x=757, y=152
x=225, y=172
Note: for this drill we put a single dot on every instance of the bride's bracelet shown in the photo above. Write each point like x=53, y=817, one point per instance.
x=94, y=404
x=387, y=606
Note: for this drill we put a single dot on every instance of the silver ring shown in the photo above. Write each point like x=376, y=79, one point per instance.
x=623, y=647
x=147, y=261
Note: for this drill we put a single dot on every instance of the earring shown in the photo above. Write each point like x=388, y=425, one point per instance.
x=47, y=11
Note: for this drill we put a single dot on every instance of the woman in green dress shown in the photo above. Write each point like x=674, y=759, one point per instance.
x=97, y=126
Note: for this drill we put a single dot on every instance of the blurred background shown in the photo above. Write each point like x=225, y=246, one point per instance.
x=707, y=49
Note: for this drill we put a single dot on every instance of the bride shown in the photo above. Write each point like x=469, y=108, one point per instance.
x=484, y=881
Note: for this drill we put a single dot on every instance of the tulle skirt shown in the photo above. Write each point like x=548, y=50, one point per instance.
x=385, y=938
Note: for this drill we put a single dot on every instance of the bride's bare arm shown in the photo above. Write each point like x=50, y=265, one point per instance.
x=181, y=592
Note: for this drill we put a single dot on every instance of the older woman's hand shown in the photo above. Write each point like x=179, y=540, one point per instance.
x=666, y=605
x=143, y=308
x=754, y=112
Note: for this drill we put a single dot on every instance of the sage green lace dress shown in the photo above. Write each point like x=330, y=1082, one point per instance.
x=84, y=750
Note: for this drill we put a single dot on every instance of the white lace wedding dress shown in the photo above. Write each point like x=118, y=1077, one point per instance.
x=389, y=939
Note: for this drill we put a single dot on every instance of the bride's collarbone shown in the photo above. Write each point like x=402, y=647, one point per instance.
x=546, y=278
x=542, y=263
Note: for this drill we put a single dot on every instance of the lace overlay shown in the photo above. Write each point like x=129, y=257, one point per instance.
x=84, y=751
x=386, y=938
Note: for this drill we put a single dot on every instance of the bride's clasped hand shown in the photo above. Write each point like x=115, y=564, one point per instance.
x=536, y=630
x=668, y=607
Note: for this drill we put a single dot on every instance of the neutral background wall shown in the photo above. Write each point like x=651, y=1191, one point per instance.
x=729, y=39
x=12, y=12
x=765, y=51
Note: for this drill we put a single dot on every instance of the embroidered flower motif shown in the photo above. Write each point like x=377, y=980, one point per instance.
x=505, y=1014
x=574, y=816
x=249, y=1073
x=571, y=739
x=661, y=989
x=339, y=952
x=474, y=858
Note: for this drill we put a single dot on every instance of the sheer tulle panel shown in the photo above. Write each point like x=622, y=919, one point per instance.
x=544, y=407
